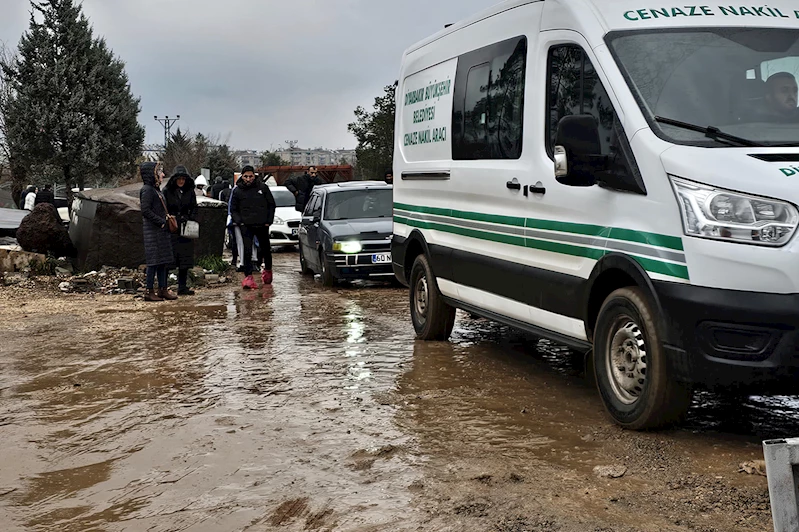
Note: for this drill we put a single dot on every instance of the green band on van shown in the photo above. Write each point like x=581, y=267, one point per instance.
x=515, y=228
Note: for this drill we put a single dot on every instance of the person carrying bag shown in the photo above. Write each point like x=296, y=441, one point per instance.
x=181, y=203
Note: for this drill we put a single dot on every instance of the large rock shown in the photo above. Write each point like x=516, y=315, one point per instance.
x=42, y=232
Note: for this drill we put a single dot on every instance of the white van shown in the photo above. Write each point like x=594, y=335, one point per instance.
x=617, y=176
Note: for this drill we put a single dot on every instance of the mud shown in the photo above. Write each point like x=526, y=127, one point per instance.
x=303, y=408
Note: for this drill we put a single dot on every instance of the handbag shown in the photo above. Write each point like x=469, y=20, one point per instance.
x=171, y=221
x=190, y=229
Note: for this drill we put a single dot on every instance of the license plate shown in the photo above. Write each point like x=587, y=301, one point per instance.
x=295, y=232
x=381, y=258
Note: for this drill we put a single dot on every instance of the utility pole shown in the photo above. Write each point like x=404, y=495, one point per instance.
x=167, y=123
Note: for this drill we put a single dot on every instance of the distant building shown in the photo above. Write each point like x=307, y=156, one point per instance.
x=317, y=157
x=247, y=158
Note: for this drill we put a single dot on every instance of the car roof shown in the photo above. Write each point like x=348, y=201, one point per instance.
x=355, y=185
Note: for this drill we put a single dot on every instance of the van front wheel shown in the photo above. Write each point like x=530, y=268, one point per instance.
x=432, y=318
x=632, y=373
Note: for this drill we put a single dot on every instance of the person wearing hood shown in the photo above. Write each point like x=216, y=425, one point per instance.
x=157, y=241
x=181, y=202
x=200, y=183
x=252, y=210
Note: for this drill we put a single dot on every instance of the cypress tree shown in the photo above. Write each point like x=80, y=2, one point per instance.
x=72, y=107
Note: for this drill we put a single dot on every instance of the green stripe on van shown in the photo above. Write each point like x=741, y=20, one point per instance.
x=615, y=233
x=652, y=265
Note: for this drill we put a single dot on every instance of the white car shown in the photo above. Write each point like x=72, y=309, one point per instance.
x=284, y=231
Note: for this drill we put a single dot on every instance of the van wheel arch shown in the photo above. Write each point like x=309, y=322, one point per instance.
x=416, y=245
x=612, y=272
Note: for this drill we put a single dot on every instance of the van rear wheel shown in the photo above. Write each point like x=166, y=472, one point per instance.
x=433, y=319
x=633, y=376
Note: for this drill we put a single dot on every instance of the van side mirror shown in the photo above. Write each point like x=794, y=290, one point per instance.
x=578, y=151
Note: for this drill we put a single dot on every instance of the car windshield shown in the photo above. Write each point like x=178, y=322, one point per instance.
x=739, y=80
x=283, y=198
x=355, y=204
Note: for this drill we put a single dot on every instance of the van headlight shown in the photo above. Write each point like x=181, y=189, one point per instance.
x=349, y=246
x=711, y=212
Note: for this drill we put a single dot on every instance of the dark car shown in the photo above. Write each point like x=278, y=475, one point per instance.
x=346, y=232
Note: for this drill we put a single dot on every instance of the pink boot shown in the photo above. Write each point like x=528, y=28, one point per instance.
x=266, y=276
x=249, y=283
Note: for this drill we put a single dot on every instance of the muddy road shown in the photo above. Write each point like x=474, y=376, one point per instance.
x=303, y=408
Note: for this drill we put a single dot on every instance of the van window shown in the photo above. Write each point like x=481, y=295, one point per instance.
x=575, y=89
x=488, y=107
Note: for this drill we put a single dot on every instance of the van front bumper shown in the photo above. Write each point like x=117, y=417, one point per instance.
x=744, y=341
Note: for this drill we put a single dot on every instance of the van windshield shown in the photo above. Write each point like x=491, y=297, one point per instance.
x=742, y=81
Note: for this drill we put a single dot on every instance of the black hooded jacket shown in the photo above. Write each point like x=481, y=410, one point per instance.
x=181, y=202
x=252, y=205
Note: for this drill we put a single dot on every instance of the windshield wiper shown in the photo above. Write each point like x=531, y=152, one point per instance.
x=710, y=132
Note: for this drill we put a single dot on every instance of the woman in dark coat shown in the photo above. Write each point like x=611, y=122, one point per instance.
x=157, y=241
x=182, y=204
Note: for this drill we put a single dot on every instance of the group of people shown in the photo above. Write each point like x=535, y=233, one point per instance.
x=166, y=247
x=251, y=211
x=32, y=196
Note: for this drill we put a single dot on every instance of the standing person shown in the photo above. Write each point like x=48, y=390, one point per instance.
x=217, y=188
x=30, y=198
x=157, y=242
x=28, y=190
x=181, y=202
x=302, y=186
x=45, y=196
x=252, y=210
x=200, y=183
x=225, y=194
x=389, y=177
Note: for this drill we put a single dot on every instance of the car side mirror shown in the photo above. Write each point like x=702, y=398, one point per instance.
x=578, y=151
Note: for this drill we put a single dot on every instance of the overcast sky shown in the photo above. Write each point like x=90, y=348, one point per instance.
x=258, y=71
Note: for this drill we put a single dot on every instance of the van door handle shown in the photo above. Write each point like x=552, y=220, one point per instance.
x=514, y=185
x=538, y=188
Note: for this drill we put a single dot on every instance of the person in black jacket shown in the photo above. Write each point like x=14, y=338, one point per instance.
x=252, y=209
x=181, y=201
x=225, y=194
x=45, y=195
x=301, y=187
x=155, y=224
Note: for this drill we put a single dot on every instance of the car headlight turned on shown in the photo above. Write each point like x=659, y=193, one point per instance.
x=347, y=246
x=719, y=214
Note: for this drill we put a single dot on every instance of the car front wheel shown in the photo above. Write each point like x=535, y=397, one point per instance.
x=304, y=269
x=633, y=375
x=433, y=319
x=327, y=275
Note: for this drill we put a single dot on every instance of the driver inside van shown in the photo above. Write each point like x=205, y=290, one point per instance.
x=782, y=96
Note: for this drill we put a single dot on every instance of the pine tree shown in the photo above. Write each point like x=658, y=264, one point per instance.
x=72, y=107
x=221, y=162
